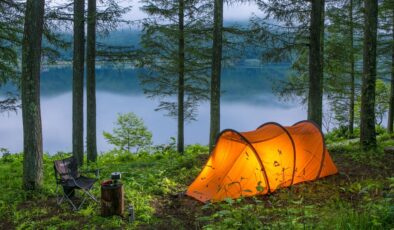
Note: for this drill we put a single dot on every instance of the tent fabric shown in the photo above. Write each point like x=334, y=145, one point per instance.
x=262, y=160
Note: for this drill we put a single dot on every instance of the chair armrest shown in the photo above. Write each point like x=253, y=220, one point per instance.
x=65, y=174
x=95, y=171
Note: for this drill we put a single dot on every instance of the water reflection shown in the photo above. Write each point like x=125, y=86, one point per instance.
x=247, y=103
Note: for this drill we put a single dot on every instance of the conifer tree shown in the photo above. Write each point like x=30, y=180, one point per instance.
x=217, y=48
x=175, y=56
x=386, y=53
x=78, y=79
x=296, y=35
x=91, y=139
x=11, y=30
x=342, y=51
x=367, y=121
x=30, y=90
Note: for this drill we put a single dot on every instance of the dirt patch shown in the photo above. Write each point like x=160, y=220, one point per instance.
x=52, y=209
x=373, y=167
x=7, y=224
x=176, y=211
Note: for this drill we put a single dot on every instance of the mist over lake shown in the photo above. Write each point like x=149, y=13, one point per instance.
x=247, y=102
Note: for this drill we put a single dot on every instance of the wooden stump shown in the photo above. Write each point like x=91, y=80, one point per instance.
x=389, y=149
x=112, y=200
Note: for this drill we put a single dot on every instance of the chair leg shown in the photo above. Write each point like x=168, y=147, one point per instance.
x=72, y=203
x=91, y=195
x=59, y=200
x=87, y=194
x=59, y=197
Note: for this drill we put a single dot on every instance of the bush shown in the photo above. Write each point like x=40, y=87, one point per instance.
x=129, y=132
x=340, y=133
x=6, y=155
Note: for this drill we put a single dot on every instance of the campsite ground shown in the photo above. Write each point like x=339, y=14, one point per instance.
x=361, y=196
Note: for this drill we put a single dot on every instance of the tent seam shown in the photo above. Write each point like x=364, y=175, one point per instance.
x=254, y=151
x=324, y=144
x=292, y=142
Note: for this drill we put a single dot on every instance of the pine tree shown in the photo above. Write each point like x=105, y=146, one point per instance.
x=31, y=111
x=91, y=140
x=367, y=123
x=391, y=108
x=217, y=48
x=296, y=36
x=11, y=29
x=315, y=92
x=343, y=48
x=78, y=79
x=174, y=42
x=386, y=52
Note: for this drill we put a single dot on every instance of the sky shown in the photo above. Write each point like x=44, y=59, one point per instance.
x=237, y=12
x=234, y=12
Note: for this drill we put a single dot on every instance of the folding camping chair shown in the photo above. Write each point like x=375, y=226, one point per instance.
x=68, y=177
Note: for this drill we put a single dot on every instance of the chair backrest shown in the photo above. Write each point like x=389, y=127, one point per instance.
x=66, y=168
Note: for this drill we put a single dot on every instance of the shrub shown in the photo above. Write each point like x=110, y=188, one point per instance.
x=129, y=132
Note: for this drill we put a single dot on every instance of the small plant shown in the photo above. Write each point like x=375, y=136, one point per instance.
x=129, y=132
x=6, y=155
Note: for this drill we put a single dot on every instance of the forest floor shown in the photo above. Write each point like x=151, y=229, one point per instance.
x=360, y=196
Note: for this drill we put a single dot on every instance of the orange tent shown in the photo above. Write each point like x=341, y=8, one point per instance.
x=261, y=161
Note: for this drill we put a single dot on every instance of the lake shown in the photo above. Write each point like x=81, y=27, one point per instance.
x=247, y=102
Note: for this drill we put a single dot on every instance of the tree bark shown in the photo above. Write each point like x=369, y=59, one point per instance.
x=31, y=111
x=367, y=126
x=391, y=106
x=91, y=138
x=315, y=97
x=181, y=78
x=78, y=77
x=352, y=75
x=216, y=72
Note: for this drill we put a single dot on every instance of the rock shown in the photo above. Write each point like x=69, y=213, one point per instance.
x=389, y=149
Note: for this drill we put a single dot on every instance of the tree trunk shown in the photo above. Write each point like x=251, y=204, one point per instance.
x=315, y=97
x=216, y=72
x=367, y=126
x=181, y=78
x=352, y=77
x=31, y=111
x=391, y=106
x=322, y=54
x=91, y=83
x=78, y=73
x=323, y=9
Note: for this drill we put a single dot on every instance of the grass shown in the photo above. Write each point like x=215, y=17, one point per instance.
x=361, y=196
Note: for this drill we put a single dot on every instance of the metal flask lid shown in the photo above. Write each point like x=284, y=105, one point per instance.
x=115, y=176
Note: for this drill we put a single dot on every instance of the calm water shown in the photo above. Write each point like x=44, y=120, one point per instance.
x=247, y=102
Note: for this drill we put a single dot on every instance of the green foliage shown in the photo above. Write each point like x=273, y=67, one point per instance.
x=160, y=54
x=145, y=177
x=129, y=132
x=381, y=102
x=11, y=28
x=231, y=217
x=341, y=133
x=153, y=182
x=374, y=216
